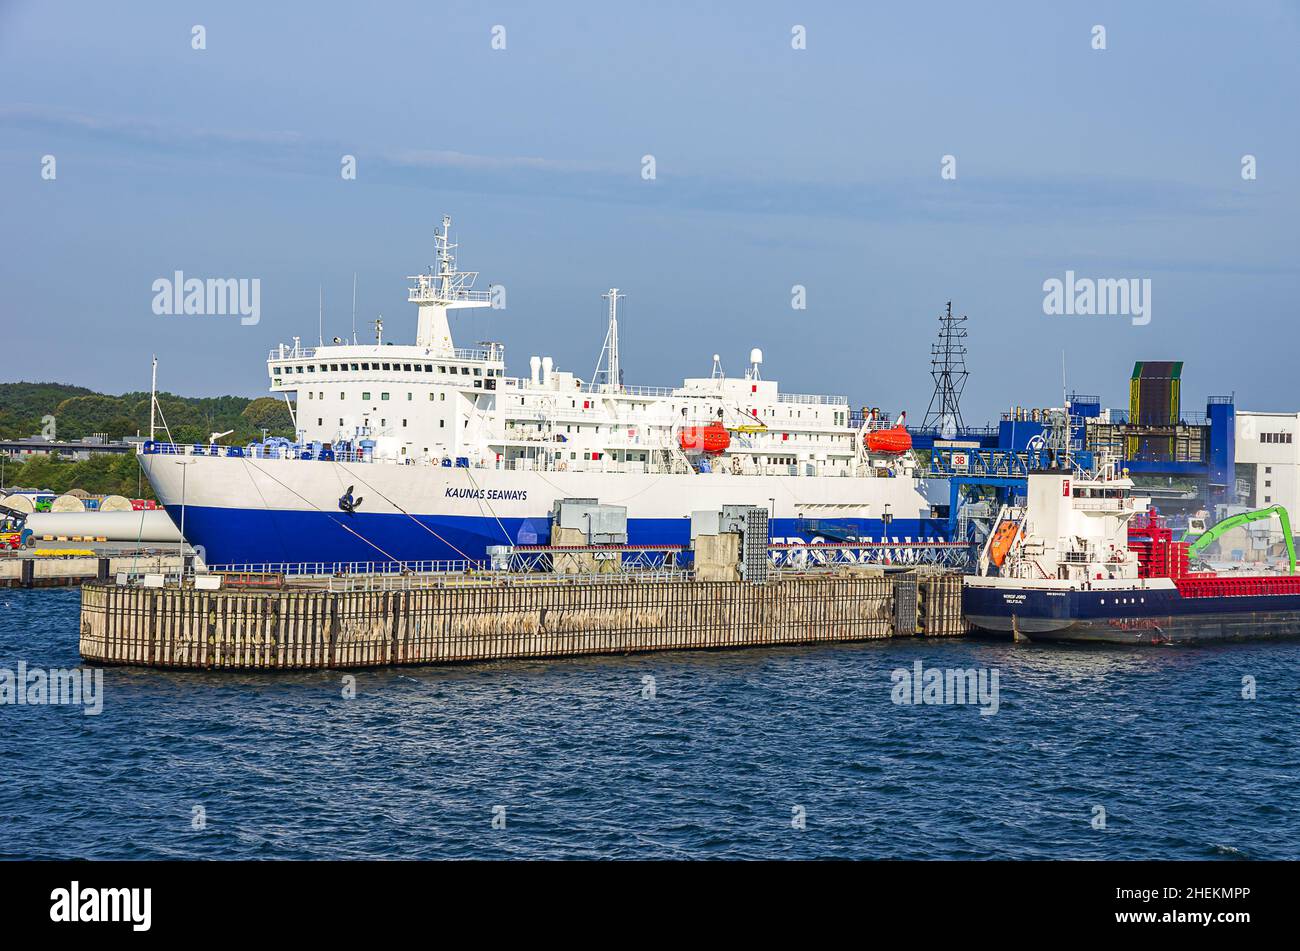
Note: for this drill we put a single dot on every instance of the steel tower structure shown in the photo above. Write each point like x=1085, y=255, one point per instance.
x=948, y=368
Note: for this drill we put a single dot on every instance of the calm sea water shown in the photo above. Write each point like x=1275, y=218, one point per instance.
x=715, y=765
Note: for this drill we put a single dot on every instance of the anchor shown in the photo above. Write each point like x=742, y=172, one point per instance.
x=347, y=503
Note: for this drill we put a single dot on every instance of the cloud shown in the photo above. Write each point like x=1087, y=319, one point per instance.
x=1005, y=199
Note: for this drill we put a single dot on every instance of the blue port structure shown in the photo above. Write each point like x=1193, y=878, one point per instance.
x=1201, y=449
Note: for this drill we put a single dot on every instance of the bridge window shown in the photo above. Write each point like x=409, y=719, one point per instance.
x=383, y=396
x=365, y=395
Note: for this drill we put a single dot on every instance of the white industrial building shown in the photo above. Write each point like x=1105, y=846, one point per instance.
x=1268, y=459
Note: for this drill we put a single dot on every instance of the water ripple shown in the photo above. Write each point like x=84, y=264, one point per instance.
x=732, y=754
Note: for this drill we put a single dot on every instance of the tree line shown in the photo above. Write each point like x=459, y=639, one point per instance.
x=62, y=412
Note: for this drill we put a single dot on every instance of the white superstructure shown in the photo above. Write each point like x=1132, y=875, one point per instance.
x=431, y=401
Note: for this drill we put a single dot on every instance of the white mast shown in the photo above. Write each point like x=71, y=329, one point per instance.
x=153, y=396
x=609, y=352
x=442, y=290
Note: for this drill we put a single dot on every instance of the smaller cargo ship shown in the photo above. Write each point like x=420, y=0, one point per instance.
x=1088, y=559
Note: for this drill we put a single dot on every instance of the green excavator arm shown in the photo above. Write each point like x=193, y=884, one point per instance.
x=1203, y=541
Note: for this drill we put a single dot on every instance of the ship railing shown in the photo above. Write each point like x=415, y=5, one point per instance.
x=608, y=390
x=495, y=353
x=473, y=353
x=284, y=352
x=883, y=420
x=356, y=456
x=816, y=399
x=427, y=291
x=1102, y=505
x=254, y=451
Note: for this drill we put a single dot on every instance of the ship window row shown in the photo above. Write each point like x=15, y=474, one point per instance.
x=447, y=369
x=1275, y=437
x=1092, y=493
x=320, y=421
x=384, y=395
x=838, y=419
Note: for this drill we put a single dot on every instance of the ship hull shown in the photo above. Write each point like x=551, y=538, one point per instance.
x=267, y=510
x=1135, y=616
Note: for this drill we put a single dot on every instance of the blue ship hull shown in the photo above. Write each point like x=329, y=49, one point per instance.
x=1129, y=616
x=244, y=536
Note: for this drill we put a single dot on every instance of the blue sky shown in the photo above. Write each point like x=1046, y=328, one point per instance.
x=775, y=167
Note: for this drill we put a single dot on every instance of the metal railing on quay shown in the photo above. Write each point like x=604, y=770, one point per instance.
x=345, y=568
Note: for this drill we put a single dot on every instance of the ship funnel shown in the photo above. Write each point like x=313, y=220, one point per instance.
x=547, y=364
x=535, y=365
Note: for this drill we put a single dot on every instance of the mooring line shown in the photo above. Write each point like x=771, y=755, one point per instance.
x=505, y=534
x=406, y=513
x=328, y=515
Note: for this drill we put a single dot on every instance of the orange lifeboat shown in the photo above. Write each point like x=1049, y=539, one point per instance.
x=712, y=439
x=896, y=439
x=1003, y=539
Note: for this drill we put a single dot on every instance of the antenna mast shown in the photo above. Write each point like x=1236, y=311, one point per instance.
x=948, y=368
x=443, y=288
x=609, y=352
x=153, y=396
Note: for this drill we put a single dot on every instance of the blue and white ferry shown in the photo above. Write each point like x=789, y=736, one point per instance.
x=424, y=451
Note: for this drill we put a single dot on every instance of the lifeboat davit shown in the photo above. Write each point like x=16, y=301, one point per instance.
x=896, y=439
x=712, y=439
